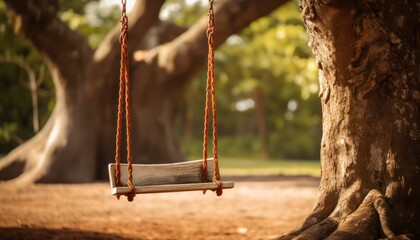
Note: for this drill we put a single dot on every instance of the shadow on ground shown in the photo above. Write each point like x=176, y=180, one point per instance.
x=26, y=233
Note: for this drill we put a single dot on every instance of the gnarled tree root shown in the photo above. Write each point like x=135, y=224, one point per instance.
x=20, y=167
x=371, y=220
x=57, y=154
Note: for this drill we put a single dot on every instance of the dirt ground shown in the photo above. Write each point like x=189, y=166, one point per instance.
x=257, y=208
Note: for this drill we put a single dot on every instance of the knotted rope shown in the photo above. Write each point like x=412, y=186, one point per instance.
x=124, y=98
x=211, y=93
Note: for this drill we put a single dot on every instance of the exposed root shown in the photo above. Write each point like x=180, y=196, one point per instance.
x=23, y=159
x=320, y=230
x=401, y=237
x=371, y=220
x=17, y=162
x=362, y=223
x=382, y=207
x=19, y=167
x=11, y=168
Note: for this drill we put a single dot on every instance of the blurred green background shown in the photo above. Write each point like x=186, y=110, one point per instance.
x=269, y=115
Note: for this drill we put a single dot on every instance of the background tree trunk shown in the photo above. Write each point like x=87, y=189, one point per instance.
x=77, y=143
x=368, y=56
x=260, y=115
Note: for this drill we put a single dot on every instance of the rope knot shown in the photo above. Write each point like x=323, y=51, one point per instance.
x=219, y=190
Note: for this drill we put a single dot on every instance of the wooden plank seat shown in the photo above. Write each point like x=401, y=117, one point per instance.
x=173, y=177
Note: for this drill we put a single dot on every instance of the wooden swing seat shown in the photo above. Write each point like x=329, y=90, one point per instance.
x=173, y=177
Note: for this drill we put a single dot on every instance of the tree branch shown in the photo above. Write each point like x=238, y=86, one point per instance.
x=160, y=33
x=37, y=20
x=143, y=16
x=188, y=52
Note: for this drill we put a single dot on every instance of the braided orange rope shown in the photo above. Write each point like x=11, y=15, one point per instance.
x=124, y=93
x=211, y=88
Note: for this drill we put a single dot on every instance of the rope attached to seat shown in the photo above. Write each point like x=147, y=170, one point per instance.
x=124, y=98
x=211, y=92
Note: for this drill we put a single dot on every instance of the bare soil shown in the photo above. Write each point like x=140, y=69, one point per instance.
x=257, y=208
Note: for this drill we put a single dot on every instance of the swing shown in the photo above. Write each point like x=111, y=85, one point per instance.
x=130, y=179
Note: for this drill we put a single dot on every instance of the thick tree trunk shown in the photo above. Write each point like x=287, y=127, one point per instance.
x=368, y=56
x=78, y=141
x=66, y=149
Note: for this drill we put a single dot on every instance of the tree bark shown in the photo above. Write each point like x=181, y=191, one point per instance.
x=78, y=141
x=368, y=56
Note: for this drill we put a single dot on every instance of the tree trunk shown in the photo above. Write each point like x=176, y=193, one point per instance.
x=368, y=56
x=66, y=149
x=78, y=141
x=260, y=115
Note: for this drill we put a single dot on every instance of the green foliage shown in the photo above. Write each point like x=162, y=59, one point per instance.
x=183, y=13
x=15, y=100
x=271, y=56
x=232, y=146
x=76, y=6
x=89, y=19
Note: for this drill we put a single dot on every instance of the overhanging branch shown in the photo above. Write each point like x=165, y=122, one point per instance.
x=188, y=52
x=144, y=14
